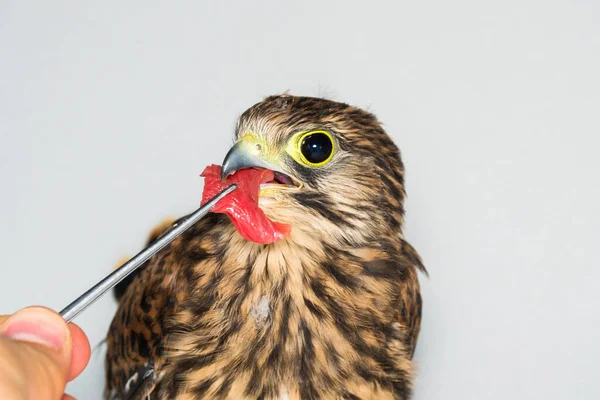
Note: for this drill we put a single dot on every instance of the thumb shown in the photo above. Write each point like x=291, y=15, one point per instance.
x=35, y=355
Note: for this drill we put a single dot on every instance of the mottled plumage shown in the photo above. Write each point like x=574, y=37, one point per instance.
x=332, y=312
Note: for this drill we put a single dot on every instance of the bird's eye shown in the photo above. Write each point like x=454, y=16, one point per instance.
x=316, y=147
x=312, y=148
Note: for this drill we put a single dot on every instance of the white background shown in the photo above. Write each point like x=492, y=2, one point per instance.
x=110, y=110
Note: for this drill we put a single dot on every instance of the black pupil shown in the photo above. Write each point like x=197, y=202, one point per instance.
x=316, y=148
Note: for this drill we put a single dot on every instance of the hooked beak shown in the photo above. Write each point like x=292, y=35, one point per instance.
x=246, y=153
x=251, y=152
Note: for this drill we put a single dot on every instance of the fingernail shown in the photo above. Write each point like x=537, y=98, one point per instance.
x=37, y=325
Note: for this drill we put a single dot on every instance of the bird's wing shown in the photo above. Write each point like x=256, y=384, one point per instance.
x=398, y=262
x=135, y=336
x=146, y=303
x=409, y=312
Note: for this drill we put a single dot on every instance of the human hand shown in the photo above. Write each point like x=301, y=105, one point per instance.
x=39, y=354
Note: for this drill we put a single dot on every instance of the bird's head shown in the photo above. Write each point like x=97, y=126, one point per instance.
x=336, y=170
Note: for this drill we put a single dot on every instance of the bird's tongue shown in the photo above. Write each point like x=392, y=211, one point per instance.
x=241, y=205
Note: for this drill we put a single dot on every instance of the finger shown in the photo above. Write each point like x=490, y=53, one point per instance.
x=67, y=397
x=35, y=354
x=81, y=351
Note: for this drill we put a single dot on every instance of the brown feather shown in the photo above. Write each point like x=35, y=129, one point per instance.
x=333, y=311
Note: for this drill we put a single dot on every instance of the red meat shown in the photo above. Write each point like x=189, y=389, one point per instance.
x=241, y=205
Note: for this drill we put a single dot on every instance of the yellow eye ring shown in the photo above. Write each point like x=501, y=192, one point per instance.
x=312, y=148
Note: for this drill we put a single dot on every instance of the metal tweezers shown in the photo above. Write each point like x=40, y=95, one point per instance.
x=99, y=289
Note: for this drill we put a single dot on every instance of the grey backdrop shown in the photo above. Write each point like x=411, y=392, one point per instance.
x=109, y=111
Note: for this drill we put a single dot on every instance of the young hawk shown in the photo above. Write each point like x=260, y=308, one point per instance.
x=330, y=312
